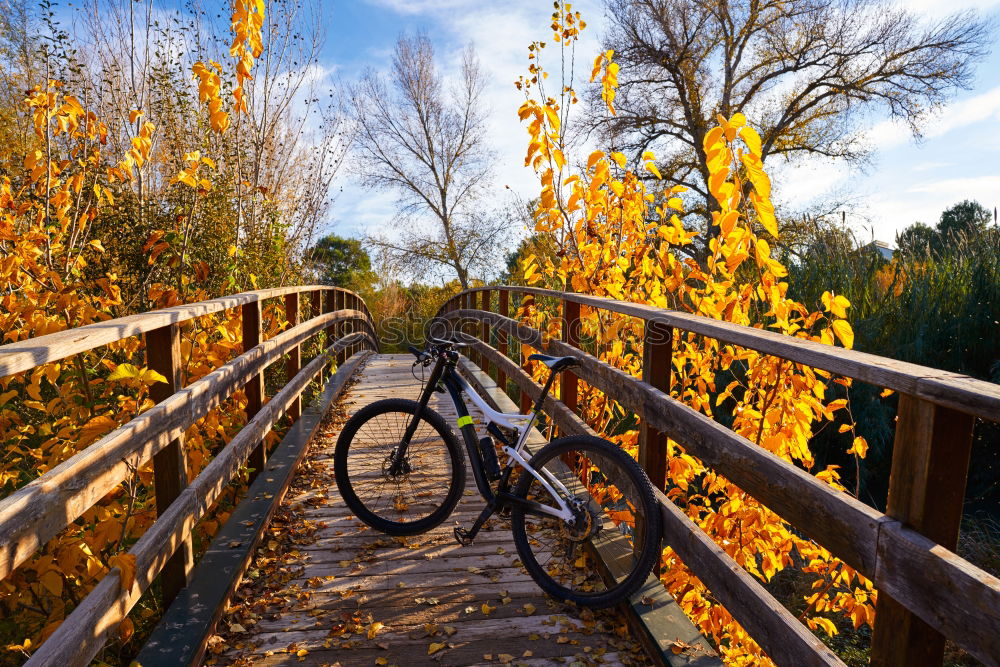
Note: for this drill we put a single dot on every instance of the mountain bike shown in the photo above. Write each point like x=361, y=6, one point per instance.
x=584, y=519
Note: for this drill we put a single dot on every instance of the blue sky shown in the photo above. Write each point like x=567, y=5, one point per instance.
x=958, y=158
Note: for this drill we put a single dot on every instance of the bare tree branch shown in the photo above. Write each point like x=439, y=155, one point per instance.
x=426, y=142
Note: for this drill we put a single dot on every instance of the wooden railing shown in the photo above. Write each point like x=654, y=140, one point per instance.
x=40, y=510
x=926, y=592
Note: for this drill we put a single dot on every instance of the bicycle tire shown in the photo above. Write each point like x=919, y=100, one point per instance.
x=360, y=461
x=591, y=582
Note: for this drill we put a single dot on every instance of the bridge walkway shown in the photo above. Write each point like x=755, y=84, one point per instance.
x=325, y=589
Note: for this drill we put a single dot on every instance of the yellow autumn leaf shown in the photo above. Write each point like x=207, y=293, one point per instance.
x=826, y=624
x=487, y=609
x=844, y=332
x=619, y=159
x=124, y=372
x=651, y=168
x=52, y=581
x=751, y=139
x=126, y=565
x=96, y=427
x=149, y=376
x=769, y=222
x=435, y=647
x=374, y=628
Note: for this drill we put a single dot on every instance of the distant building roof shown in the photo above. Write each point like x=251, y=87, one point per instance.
x=883, y=248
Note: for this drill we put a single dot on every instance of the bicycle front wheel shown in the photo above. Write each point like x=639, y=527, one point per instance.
x=606, y=552
x=399, y=494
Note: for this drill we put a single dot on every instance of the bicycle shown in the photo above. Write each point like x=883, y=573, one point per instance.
x=400, y=469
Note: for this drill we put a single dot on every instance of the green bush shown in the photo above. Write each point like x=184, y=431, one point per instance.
x=937, y=308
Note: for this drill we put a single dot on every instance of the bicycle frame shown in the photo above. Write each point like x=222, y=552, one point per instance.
x=445, y=373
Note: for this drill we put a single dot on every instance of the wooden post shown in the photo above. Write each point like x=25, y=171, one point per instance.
x=294, y=362
x=317, y=304
x=484, y=304
x=571, y=335
x=163, y=355
x=930, y=463
x=502, y=338
x=525, y=402
x=467, y=304
x=657, y=349
x=254, y=389
x=334, y=302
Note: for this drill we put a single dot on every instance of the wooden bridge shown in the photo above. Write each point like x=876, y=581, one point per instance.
x=334, y=592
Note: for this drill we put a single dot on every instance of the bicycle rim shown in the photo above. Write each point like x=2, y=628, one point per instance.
x=417, y=498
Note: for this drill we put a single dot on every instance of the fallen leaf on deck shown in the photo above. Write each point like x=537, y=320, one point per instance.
x=374, y=628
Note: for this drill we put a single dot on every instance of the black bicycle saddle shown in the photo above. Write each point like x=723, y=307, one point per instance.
x=555, y=363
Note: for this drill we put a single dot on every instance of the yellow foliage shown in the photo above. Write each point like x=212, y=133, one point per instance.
x=52, y=279
x=617, y=240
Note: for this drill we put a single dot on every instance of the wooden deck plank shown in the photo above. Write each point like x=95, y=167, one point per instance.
x=325, y=571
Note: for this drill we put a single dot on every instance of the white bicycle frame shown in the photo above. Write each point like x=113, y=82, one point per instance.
x=522, y=425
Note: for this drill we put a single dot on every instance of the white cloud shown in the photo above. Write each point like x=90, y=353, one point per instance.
x=420, y=6
x=936, y=8
x=954, y=116
x=951, y=190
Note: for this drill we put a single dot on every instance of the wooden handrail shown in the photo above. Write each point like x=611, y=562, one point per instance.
x=35, y=513
x=917, y=573
x=39, y=510
x=26, y=354
x=953, y=390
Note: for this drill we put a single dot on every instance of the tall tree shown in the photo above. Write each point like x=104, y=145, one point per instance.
x=341, y=262
x=917, y=240
x=426, y=142
x=806, y=72
x=965, y=218
x=965, y=221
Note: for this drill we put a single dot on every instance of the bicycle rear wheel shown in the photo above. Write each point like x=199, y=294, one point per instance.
x=430, y=479
x=605, y=554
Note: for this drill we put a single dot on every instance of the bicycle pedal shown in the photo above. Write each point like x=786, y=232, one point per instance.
x=464, y=537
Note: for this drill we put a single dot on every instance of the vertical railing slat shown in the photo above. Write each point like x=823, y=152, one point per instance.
x=656, y=360
x=294, y=362
x=930, y=463
x=254, y=389
x=527, y=300
x=504, y=308
x=163, y=355
x=484, y=329
x=569, y=384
